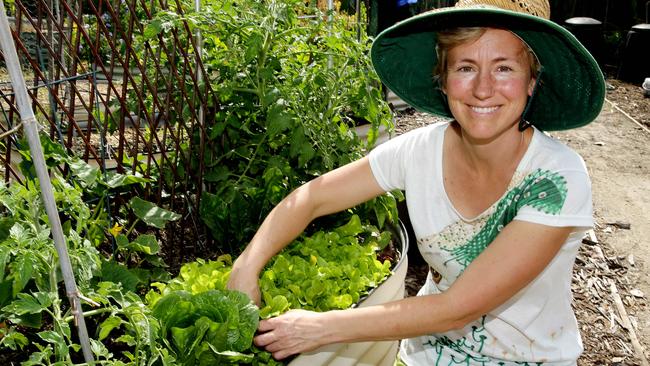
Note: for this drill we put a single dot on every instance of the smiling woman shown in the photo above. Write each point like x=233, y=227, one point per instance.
x=498, y=208
x=487, y=82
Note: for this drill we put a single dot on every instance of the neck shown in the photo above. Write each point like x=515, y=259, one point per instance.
x=503, y=152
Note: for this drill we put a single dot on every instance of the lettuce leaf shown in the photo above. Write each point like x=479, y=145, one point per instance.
x=208, y=327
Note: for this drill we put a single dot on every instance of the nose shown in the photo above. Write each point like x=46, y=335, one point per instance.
x=483, y=85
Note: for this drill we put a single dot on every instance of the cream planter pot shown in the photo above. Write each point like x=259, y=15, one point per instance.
x=366, y=353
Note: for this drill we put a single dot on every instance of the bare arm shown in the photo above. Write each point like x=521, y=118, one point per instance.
x=520, y=253
x=335, y=191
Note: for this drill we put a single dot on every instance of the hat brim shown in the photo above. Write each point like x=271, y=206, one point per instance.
x=571, y=89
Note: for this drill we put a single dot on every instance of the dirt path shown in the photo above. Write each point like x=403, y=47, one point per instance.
x=617, y=153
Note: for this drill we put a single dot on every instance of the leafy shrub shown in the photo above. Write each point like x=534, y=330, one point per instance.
x=290, y=90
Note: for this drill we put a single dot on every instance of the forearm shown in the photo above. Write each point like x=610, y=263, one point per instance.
x=285, y=222
x=493, y=278
x=337, y=190
x=410, y=317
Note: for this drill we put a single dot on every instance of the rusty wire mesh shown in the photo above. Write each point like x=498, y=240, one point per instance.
x=108, y=96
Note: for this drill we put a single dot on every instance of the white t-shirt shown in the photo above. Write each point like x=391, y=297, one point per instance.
x=550, y=187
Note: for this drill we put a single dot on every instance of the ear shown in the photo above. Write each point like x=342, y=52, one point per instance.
x=441, y=85
x=531, y=86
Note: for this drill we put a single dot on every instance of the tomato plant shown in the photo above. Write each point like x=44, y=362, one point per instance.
x=290, y=90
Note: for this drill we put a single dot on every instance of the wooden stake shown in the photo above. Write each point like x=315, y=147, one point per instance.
x=638, y=348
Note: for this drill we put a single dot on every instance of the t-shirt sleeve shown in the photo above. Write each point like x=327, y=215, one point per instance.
x=386, y=163
x=558, y=199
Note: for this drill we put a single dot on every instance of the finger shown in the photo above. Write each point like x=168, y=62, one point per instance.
x=281, y=349
x=264, y=339
x=280, y=355
x=266, y=325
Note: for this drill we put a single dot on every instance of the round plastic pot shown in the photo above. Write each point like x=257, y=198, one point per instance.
x=367, y=353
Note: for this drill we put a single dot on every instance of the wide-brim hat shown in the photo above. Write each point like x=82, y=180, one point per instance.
x=570, y=90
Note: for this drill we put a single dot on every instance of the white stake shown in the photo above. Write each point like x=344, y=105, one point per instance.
x=31, y=132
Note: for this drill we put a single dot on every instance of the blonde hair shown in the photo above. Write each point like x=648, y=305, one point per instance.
x=451, y=38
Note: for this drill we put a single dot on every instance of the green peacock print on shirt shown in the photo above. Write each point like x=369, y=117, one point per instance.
x=543, y=190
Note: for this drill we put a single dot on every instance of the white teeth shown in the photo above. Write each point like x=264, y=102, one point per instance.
x=484, y=109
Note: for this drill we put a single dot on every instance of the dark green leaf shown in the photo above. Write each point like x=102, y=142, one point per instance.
x=145, y=243
x=5, y=225
x=116, y=272
x=85, y=172
x=152, y=214
x=21, y=271
x=278, y=119
x=115, y=180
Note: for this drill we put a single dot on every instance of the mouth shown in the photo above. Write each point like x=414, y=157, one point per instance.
x=484, y=110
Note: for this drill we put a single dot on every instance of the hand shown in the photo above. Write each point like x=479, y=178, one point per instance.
x=247, y=283
x=293, y=332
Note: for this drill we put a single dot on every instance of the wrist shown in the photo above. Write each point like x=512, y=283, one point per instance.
x=334, y=321
x=247, y=265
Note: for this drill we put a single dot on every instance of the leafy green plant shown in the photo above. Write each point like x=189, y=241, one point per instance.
x=327, y=270
x=211, y=327
x=34, y=315
x=29, y=273
x=290, y=90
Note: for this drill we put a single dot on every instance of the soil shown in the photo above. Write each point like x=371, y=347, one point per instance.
x=613, y=265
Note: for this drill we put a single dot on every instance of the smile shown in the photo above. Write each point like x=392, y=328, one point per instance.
x=484, y=110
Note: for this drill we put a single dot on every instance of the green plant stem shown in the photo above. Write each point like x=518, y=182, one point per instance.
x=57, y=319
x=98, y=208
x=128, y=232
x=251, y=159
x=88, y=313
x=248, y=90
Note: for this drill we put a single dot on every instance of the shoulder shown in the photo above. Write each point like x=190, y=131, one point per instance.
x=552, y=154
x=419, y=137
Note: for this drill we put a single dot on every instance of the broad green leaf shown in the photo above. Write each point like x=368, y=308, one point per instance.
x=127, y=339
x=22, y=269
x=278, y=305
x=57, y=339
x=13, y=339
x=116, y=272
x=152, y=214
x=24, y=304
x=100, y=351
x=278, y=119
x=51, y=337
x=5, y=254
x=115, y=180
x=225, y=319
x=152, y=29
x=108, y=325
x=5, y=225
x=85, y=172
x=352, y=228
x=122, y=241
x=145, y=243
x=45, y=299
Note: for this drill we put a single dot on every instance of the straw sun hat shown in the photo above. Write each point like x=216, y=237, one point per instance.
x=570, y=90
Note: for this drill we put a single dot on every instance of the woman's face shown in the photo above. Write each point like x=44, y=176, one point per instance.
x=488, y=83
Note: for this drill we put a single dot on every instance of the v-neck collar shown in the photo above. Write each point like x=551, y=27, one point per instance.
x=515, y=176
